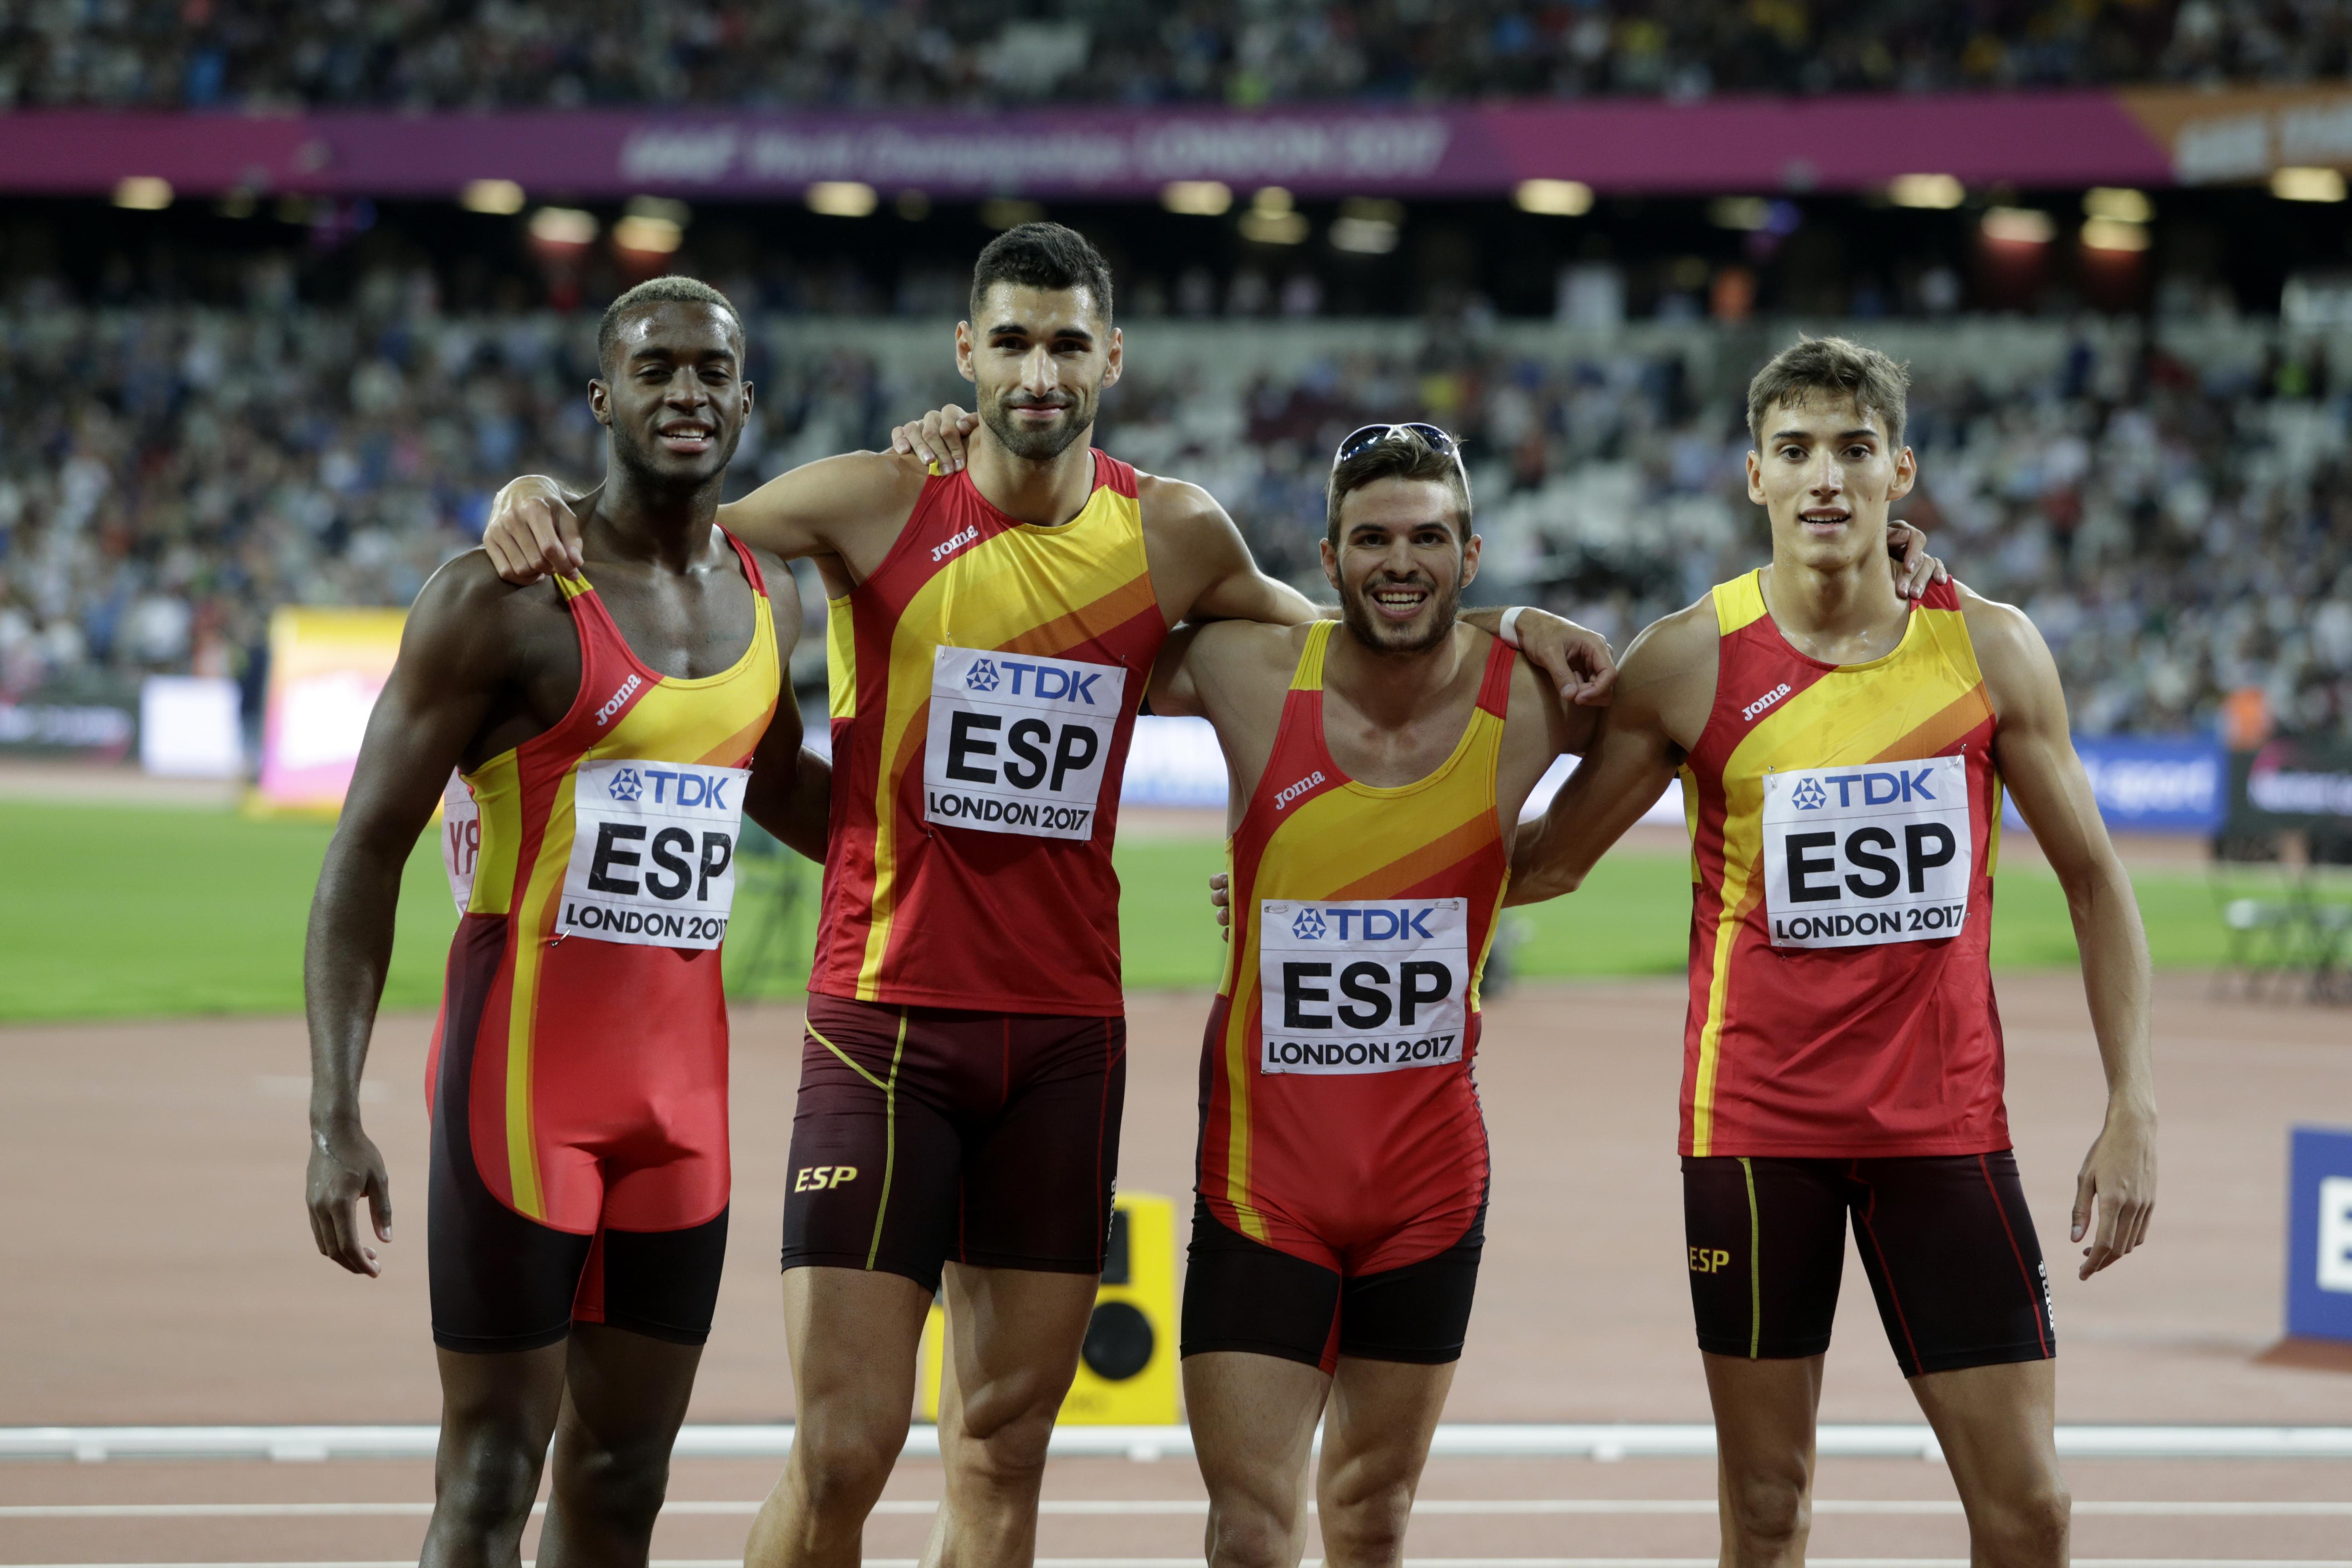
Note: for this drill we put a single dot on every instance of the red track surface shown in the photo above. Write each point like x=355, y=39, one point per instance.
x=156, y=1268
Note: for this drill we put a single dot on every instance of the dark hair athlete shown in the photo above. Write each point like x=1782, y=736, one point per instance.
x=603, y=725
x=1842, y=1056
x=991, y=634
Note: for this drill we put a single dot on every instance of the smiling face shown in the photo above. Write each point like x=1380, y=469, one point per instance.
x=673, y=393
x=1825, y=474
x=1400, y=563
x=1040, y=359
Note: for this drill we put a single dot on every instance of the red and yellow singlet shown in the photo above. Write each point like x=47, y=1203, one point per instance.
x=985, y=685
x=1845, y=821
x=1339, y=1119
x=584, y=1003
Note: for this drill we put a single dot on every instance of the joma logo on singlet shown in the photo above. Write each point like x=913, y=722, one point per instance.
x=613, y=703
x=941, y=551
x=1765, y=701
x=1292, y=792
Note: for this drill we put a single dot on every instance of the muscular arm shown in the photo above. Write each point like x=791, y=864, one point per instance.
x=453, y=659
x=2035, y=752
x=1667, y=676
x=850, y=506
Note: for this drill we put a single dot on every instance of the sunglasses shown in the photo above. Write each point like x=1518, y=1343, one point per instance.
x=1358, y=441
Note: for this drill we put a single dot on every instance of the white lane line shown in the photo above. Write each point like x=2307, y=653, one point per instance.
x=2163, y=1508
x=1605, y=1442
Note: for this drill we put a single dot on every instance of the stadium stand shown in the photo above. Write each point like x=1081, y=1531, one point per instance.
x=273, y=54
x=2179, y=522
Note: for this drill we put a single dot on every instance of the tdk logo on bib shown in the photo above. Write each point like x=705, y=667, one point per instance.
x=1018, y=742
x=652, y=853
x=1859, y=856
x=1364, y=986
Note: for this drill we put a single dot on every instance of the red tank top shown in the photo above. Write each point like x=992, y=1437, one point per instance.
x=985, y=685
x=1337, y=1083
x=1844, y=820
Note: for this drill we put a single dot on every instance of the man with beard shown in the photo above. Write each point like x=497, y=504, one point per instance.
x=1377, y=772
x=604, y=724
x=991, y=633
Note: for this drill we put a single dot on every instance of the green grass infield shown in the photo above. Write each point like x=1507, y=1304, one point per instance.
x=119, y=912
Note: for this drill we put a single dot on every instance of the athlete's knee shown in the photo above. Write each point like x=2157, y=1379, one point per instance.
x=840, y=1466
x=485, y=1483
x=621, y=1489
x=2028, y=1528
x=1766, y=1508
x=1008, y=1420
x=1249, y=1535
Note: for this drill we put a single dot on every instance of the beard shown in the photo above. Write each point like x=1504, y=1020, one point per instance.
x=1032, y=444
x=1382, y=636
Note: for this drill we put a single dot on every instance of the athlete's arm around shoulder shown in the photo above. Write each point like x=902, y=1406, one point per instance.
x=458, y=653
x=1201, y=568
x=1665, y=689
x=791, y=789
x=2035, y=752
x=851, y=507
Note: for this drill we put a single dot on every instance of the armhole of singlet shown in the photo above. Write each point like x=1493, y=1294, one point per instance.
x=591, y=623
x=1724, y=637
x=751, y=572
x=934, y=487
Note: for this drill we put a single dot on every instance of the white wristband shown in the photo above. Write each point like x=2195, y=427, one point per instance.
x=1508, y=630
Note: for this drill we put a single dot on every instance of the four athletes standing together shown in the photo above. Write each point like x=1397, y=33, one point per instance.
x=995, y=623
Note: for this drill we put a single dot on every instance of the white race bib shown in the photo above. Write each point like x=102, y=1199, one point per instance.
x=461, y=838
x=1858, y=856
x=1018, y=742
x=652, y=853
x=1358, y=987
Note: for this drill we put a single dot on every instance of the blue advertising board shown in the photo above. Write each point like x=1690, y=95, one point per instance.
x=2319, y=1234
x=2153, y=784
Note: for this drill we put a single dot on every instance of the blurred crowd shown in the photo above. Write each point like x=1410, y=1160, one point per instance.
x=174, y=473
x=275, y=54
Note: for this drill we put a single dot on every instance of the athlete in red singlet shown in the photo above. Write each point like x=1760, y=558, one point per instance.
x=1844, y=756
x=577, y=1201
x=990, y=633
x=1342, y=1180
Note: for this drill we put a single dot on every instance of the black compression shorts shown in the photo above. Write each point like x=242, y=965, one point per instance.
x=930, y=1135
x=1945, y=1241
x=1242, y=1295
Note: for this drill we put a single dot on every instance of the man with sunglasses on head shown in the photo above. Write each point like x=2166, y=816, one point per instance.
x=993, y=625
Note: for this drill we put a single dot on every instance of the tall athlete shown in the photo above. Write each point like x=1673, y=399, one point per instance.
x=604, y=724
x=991, y=633
x=1341, y=1189
x=1844, y=757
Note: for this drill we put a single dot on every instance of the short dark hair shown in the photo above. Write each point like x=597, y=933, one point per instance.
x=1405, y=454
x=1839, y=368
x=666, y=290
x=1042, y=256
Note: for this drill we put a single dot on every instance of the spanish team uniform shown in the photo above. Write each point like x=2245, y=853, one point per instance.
x=1843, y=1053
x=965, y=1064
x=578, y=1081
x=1341, y=1191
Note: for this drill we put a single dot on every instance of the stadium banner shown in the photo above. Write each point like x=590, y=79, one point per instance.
x=1839, y=142
x=2319, y=1233
x=2150, y=784
x=2291, y=782
x=326, y=668
x=88, y=717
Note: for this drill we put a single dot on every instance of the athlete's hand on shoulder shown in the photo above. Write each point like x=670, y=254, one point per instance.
x=1915, y=570
x=345, y=1167
x=1221, y=894
x=937, y=438
x=2115, y=1193
x=1579, y=659
x=533, y=533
